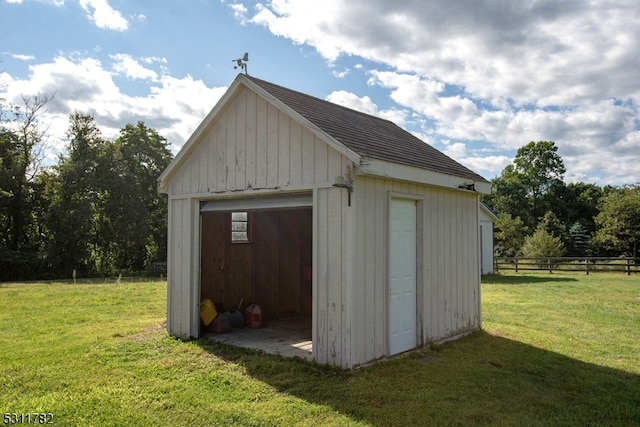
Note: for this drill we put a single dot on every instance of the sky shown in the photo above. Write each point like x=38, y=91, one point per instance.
x=476, y=79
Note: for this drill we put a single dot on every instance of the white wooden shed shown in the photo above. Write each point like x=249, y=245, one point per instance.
x=303, y=206
x=487, y=218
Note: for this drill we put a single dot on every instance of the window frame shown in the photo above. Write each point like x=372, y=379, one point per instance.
x=247, y=228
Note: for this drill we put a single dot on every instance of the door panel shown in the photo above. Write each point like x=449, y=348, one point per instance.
x=402, y=276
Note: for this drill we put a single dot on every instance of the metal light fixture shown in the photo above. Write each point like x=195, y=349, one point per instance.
x=465, y=186
x=345, y=182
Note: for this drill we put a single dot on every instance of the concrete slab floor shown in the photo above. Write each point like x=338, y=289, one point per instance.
x=288, y=337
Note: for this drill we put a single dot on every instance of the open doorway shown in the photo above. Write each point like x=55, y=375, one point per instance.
x=261, y=257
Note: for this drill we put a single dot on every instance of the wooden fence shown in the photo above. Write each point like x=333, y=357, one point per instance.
x=551, y=264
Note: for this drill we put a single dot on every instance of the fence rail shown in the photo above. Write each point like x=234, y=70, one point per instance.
x=584, y=264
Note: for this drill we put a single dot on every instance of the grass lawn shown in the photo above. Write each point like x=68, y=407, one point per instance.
x=556, y=349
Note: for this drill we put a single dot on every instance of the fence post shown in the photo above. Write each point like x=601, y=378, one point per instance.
x=516, y=264
x=628, y=266
x=549, y=262
x=587, y=262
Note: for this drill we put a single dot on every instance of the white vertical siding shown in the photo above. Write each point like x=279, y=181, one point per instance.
x=253, y=145
x=448, y=278
x=486, y=230
x=451, y=238
x=180, y=278
x=332, y=339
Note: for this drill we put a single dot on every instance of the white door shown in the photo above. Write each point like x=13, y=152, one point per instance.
x=402, y=276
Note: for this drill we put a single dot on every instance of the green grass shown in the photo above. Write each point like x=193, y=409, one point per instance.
x=555, y=350
x=592, y=318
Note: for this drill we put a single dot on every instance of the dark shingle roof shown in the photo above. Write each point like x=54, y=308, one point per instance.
x=367, y=135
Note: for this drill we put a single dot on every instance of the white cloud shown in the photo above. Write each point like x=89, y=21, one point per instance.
x=499, y=74
x=543, y=52
x=152, y=59
x=588, y=135
x=340, y=74
x=173, y=106
x=239, y=12
x=104, y=15
x=456, y=150
x=57, y=3
x=131, y=68
x=303, y=22
x=21, y=56
x=347, y=99
x=488, y=166
x=366, y=105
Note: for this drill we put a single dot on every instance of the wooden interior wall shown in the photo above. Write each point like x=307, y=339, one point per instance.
x=226, y=269
x=294, y=253
x=265, y=233
x=268, y=270
x=212, y=256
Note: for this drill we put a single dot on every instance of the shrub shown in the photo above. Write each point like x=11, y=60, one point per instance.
x=542, y=244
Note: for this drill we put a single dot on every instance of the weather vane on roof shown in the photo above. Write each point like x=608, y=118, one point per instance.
x=242, y=62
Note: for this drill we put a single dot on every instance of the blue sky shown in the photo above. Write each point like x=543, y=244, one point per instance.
x=477, y=79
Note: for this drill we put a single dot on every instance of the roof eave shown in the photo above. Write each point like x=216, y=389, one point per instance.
x=488, y=211
x=386, y=169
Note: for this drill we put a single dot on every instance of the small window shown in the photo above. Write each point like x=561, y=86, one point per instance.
x=239, y=227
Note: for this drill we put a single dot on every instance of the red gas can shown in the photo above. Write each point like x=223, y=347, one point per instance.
x=253, y=316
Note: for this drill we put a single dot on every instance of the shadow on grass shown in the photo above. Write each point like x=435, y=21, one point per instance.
x=478, y=380
x=521, y=279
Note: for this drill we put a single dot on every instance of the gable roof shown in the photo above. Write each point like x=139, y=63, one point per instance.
x=492, y=216
x=361, y=137
x=368, y=135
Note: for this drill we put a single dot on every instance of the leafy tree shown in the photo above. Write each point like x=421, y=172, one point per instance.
x=576, y=202
x=146, y=154
x=119, y=219
x=524, y=185
x=133, y=215
x=508, y=196
x=542, y=244
x=619, y=221
x=538, y=166
x=96, y=211
x=21, y=142
x=509, y=235
x=552, y=225
x=76, y=198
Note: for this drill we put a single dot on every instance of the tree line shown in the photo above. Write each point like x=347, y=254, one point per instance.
x=95, y=210
x=542, y=216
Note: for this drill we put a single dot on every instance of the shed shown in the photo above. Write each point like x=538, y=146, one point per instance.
x=487, y=218
x=303, y=206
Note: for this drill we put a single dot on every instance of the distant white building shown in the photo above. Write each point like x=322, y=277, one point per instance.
x=487, y=219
